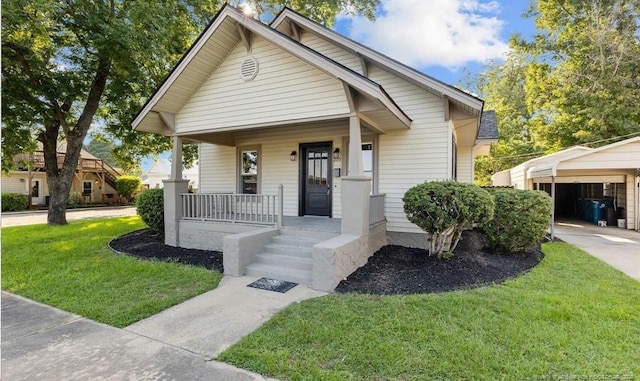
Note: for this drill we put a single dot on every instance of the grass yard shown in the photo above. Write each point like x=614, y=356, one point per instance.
x=571, y=317
x=71, y=267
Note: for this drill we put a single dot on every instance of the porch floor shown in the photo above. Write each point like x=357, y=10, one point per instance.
x=323, y=224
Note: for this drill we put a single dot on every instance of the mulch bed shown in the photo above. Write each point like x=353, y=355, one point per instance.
x=147, y=244
x=391, y=270
x=402, y=270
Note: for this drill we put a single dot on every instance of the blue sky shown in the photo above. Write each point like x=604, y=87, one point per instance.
x=441, y=38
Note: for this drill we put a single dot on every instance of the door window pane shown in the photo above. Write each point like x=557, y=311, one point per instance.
x=35, y=189
x=249, y=172
x=86, y=187
x=318, y=168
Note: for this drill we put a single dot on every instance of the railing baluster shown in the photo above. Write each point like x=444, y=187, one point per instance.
x=243, y=208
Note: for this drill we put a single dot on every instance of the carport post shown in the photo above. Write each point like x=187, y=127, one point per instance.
x=553, y=206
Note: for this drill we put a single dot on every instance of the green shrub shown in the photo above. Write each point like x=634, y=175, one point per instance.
x=127, y=185
x=14, y=202
x=150, y=206
x=445, y=209
x=521, y=219
x=75, y=199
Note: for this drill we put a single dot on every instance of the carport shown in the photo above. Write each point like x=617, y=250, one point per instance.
x=593, y=185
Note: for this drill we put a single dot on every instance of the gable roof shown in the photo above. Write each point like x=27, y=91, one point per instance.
x=488, y=125
x=206, y=54
x=466, y=101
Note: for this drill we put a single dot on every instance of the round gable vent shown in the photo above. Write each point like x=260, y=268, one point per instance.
x=249, y=69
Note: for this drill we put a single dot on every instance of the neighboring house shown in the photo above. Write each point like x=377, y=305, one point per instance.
x=161, y=170
x=312, y=133
x=579, y=177
x=94, y=178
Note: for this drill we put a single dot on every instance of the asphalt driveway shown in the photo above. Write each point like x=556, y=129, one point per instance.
x=40, y=217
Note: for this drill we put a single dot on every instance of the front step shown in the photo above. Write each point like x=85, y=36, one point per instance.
x=287, y=257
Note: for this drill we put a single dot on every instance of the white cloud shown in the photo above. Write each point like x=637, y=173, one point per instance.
x=423, y=33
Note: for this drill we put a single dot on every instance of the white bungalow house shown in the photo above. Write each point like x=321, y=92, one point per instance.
x=308, y=142
x=161, y=170
x=579, y=177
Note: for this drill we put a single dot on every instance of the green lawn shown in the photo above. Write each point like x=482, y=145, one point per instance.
x=571, y=316
x=72, y=268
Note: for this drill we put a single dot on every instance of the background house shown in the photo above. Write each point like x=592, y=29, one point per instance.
x=94, y=178
x=161, y=170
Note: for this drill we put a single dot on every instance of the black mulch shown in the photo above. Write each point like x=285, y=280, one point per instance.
x=146, y=244
x=391, y=270
x=401, y=270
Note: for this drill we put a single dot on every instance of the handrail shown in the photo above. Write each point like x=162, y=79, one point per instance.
x=262, y=209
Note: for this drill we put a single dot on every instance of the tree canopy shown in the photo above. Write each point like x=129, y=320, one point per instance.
x=576, y=81
x=69, y=63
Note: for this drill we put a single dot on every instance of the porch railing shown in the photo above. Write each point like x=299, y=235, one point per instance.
x=376, y=208
x=262, y=209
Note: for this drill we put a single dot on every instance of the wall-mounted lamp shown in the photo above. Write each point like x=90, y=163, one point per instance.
x=292, y=156
x=22, y=180
x=336, y=154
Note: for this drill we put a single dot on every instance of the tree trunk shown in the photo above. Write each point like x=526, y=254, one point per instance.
x=61, y=179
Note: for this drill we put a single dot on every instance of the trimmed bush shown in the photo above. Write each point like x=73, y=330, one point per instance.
x=75, y=199
x=127, y=185
x=150, y=207
x=14, y=202
x=445, y=209
x=521, y=219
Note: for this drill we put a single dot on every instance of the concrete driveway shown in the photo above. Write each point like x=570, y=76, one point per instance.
x=619, y=248
x=40, y=216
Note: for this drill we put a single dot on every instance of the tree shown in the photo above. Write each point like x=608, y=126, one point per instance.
x=503, y=87
x=584, y=85
x=102, y=149
x=68, y=63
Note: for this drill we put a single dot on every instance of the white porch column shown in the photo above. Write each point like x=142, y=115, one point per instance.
x=176, y=159
x=173, y=189
x=356, y=187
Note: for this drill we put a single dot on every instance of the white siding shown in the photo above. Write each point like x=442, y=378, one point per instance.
x=410, y=157
x=517, y=177
x=623, y=156
x=632, y=202
x=332, y=51
x=465, y=164
x=285, y=89
x=12, y=183
x=219, y=170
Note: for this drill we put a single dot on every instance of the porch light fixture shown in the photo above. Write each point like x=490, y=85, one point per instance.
x=292, y=156
x=336, y=154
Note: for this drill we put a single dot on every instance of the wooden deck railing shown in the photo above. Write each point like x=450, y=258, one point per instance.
x=376, y=209
x=262, y=209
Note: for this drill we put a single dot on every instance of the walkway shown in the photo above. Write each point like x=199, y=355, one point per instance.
x=619, y=248
x=40, y=216
x=43, y=343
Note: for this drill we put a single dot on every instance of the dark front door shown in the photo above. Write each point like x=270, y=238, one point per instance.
x=316, y=179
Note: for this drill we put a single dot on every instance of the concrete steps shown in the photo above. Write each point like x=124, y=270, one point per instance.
x=289, y=256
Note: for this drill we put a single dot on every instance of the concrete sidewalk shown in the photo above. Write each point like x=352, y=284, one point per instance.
x=617, y=247
x=211, y=322
x=40, y=342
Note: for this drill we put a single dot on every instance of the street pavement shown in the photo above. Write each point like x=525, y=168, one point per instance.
x=40, y=216
x=618, y=247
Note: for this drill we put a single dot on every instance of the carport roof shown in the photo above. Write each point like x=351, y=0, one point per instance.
x=629, y=159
